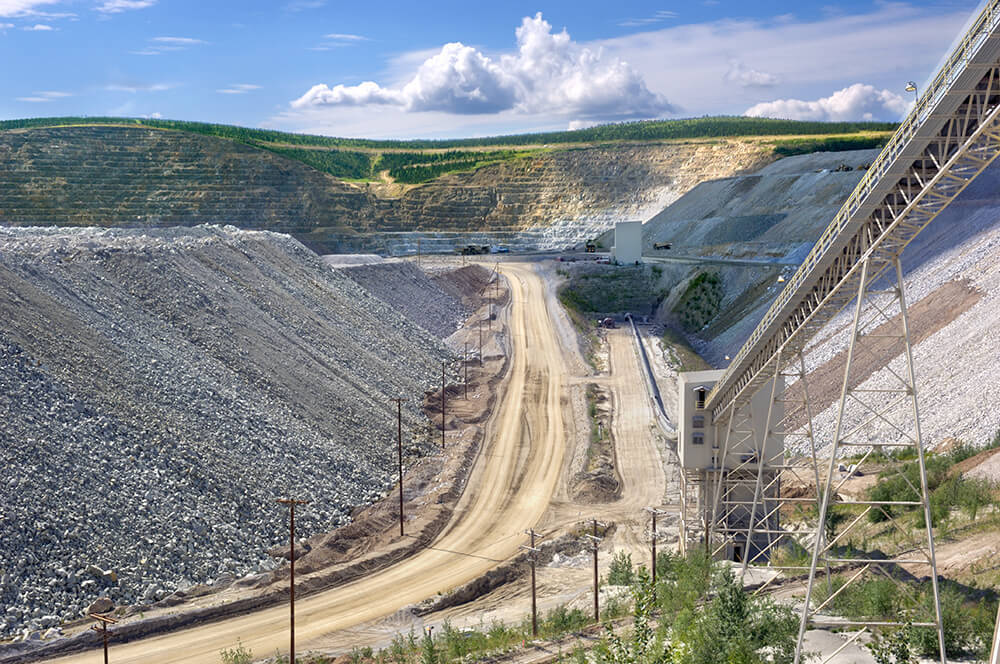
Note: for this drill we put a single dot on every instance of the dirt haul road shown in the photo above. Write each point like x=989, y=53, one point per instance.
x=508, y=491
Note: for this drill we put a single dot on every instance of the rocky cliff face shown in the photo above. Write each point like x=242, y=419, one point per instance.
x=133, y=177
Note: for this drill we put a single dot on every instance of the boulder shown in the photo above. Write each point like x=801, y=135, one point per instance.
x=101, y=605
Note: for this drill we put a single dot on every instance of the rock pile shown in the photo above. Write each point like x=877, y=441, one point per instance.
x=407, y=289
x=160, y=389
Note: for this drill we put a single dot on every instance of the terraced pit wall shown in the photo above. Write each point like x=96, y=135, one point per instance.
x=136, y=177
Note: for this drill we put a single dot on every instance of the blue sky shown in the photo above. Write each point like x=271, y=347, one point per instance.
x=441, y=69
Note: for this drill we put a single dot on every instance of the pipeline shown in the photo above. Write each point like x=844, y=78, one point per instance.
x=654, y=391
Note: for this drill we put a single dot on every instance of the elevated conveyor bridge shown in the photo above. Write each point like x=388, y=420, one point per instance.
x=949, y=137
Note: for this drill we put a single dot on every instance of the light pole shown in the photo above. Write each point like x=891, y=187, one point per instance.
x=291, y=502
x=912, y=87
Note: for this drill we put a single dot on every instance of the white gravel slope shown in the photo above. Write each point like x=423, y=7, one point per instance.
x=160, y=389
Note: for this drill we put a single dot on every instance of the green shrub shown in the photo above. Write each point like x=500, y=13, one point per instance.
x=892, y=646
x=621, y=572
x=562, y=620
x=237, y=655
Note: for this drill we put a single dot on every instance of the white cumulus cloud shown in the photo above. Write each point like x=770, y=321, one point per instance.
x=855, y=102
x=38, y=27
x=549, y=73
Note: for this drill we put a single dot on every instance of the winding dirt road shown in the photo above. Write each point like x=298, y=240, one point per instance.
x=509, y=491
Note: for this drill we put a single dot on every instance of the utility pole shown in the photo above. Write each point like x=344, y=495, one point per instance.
x=653, y=513
x=291, y=502
x=102, y=628
x=465, y=362
x=418, y=251
x=596, y=540
x=442, y=403
x=480, y=343
x=534, y=604
x=399, y=456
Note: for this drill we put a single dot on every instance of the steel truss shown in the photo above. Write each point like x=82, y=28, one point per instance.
x=692, y=524
x=789, y=417
x=876, y=421
x=748, y=477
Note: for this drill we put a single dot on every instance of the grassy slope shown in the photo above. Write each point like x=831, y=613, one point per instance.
x=416, y=161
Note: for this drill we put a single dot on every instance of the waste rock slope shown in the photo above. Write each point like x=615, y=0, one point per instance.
x=160, y=389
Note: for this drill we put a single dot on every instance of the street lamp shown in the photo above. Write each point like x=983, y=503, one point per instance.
x=912, y=87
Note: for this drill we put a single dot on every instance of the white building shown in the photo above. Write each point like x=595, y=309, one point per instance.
x=701, y=448
x=628, y=243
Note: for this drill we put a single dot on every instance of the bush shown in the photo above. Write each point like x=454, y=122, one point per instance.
x=621, y=572
x=892, y=647
x=562, y=620
x=735, y=628
x=237, y=655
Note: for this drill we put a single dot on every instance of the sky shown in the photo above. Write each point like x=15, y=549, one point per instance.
x=442, y=69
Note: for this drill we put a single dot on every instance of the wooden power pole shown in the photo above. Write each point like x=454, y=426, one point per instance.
x=654, y=513
x=534, y=604
x=291, y=502
x=102, y=628
x=596, y=541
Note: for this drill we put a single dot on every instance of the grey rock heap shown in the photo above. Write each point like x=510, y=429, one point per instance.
x=160, y=389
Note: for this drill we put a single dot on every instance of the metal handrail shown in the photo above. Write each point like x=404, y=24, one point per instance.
x=954, y=66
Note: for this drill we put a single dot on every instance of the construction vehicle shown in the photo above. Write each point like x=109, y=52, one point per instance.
x=474, y=250
x=662, y=245
x=608, y=323
x=591, y=247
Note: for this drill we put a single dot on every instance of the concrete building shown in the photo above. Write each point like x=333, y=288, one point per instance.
x=628, y=243
x=704, y=457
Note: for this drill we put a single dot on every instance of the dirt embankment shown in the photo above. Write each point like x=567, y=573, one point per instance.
x=598, y=480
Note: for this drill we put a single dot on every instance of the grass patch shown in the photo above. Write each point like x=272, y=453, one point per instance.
x=700, y=302
x=968, y=620
x=948, y=491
